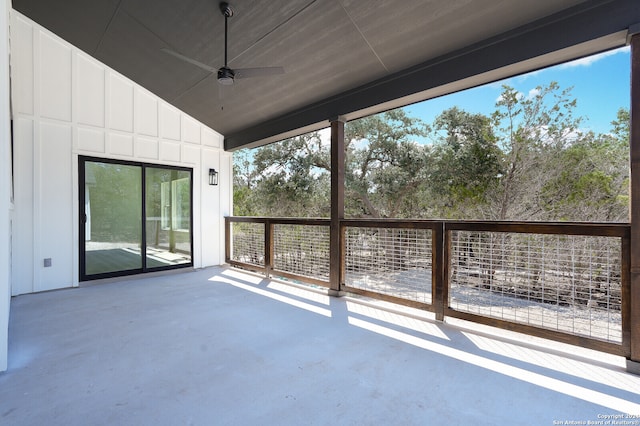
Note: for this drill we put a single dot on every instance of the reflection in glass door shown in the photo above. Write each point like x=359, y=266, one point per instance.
x=168, y=216
x=113, y=231
x=114, y=196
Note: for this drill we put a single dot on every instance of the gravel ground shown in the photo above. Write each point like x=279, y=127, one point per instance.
x=415, y=284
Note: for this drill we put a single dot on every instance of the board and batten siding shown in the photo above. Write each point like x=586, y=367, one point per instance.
x=65, y=104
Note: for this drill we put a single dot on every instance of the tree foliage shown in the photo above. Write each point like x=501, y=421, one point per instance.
x=528, y=160
x=384, y=166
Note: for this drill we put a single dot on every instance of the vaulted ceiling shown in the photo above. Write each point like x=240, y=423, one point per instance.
x=341, y=57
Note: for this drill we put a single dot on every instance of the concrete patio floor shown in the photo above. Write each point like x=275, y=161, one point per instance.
x=219, y=346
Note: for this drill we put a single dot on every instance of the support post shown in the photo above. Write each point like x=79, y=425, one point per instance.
x=633, y=361
x=439, y=269
x=268, y=248
x=337, y=205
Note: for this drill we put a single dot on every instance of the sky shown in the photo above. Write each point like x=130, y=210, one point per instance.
x=600, y=85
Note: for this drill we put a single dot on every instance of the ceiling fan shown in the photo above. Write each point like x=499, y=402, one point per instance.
x=226, y=75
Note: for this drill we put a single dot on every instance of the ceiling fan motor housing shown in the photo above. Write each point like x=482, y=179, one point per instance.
x=225, y=76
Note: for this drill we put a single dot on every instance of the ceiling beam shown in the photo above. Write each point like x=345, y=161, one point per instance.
x=578, y=31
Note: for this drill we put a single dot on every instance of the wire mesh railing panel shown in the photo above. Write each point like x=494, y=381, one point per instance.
x=566, y=283
x=302, y=250
x=248, y=243
x=392, y=261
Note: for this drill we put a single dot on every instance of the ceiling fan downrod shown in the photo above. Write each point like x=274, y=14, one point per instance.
x=226, y=74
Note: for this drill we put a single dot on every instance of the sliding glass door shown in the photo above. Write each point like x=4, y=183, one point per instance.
x=135, y=218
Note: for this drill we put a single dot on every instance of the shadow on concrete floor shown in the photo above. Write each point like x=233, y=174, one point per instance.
x=221, y=346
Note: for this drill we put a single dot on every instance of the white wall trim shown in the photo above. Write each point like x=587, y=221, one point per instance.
x=6, y=204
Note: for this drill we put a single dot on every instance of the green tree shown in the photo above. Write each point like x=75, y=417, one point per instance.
x=530, y=130
x=467, y=162
x=292, y=178
x=593, y=179
x=384, y=165
x=621, y=126
x=244, y=183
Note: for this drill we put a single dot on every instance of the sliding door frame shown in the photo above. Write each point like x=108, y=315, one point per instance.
x=82, y=160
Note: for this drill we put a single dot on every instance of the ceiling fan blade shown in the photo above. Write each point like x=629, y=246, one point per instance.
x=257, y=72
x=191, y=61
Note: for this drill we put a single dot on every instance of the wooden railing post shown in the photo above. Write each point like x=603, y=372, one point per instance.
x=337, y=205
x=633, y=362
x=625, y=295
x=439, y=269
x=268, y=248
x=227, y=239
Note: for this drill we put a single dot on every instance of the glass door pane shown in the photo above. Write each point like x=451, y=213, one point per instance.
x=168, y=216
x=112, y=218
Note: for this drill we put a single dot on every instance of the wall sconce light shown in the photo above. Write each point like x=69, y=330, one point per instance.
x=213, y=177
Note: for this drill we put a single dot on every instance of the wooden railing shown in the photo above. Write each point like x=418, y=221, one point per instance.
x=264, y=248
x=576, y=276
x=564, y=281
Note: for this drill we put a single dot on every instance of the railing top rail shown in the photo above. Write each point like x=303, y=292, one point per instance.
x=251, y=219
x=392, y=223
x=281, y=220
x=558, y=228
x=301, y=221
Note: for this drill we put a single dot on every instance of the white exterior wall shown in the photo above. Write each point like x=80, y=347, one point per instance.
x=5, y=184
x=66, y=104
